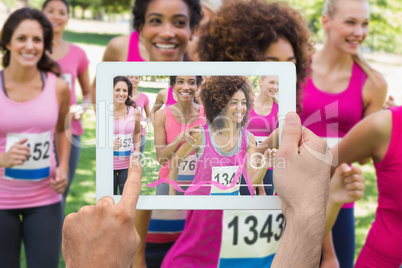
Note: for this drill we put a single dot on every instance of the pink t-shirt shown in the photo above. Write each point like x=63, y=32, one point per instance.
x=332, y=115
x=124, y=129
x=383, y=243
x=142, y=101
x=72, y=65
x=28, y=185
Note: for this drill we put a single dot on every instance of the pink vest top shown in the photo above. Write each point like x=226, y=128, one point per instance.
x=124, y=129
x=72, y=65
x=383, y=243
x=170, y=100
x=29, y=185
x=174, y=128
x=133, y=50
x=260, y=125
x=332, y=115
x=211, y=159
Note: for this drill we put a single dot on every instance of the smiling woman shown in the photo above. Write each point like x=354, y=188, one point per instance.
x=34, y=104
x=127, y=134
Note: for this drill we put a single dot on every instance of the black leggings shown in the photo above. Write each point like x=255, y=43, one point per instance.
x=39, y=228
x=120, y=177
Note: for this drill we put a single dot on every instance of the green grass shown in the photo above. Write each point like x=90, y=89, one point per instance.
x=88, y=38
x=149, y=90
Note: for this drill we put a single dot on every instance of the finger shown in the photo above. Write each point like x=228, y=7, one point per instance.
x=132, y=187
x=24, y=151
x=391, y=98
x=22, y=141
x=291, y=135
x=313, y=143
x=344, y=170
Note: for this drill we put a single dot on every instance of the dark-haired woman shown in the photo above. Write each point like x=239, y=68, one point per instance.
x=127, y=130
x=74, y=65
x=34, y=104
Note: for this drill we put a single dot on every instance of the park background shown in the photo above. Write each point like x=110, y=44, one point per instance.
x=94, y=22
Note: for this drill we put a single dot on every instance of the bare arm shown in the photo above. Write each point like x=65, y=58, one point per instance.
x=271, y=142
x=374, y=94
x=163, y=150
x=369, y=138
x=62, y=136
x=137, y=131
x=185, y=150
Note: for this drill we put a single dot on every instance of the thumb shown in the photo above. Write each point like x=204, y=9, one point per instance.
x=291, y=134
x=391, y=98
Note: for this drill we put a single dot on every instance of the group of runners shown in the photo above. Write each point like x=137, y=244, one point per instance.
x=339, y=97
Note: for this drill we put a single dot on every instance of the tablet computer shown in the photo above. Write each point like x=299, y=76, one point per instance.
x=154, y=76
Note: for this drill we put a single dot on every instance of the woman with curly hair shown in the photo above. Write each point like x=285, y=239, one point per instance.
x=223, y=147
x=258, y=31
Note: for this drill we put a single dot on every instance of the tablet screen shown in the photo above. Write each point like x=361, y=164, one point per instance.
x=218, y=112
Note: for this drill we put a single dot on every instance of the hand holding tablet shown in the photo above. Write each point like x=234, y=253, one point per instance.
x=104, y=235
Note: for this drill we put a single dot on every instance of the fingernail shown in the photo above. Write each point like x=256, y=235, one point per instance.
x=291, y=118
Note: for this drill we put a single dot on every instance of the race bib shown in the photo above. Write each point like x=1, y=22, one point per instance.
x=37, y=165
x=126, y=145
x=68, y=78
x=224, y=176
x=187, y=169
x=259, y=139
x=250, y=238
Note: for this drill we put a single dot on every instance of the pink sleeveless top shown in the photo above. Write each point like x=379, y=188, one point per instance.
x=170, y=100
x=210, y=159
x=332, y=115
x=133, y=50
x=383, y=243
x=72, y=65
x=124, y=129
x=28, y=185
x=173, y=129
x=262, y=126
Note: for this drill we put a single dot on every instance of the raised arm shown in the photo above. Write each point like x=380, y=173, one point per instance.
x=62, y=137
x=137, y=131
x=185, y=150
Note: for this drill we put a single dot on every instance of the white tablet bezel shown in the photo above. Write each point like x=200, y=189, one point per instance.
x=106, y=71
